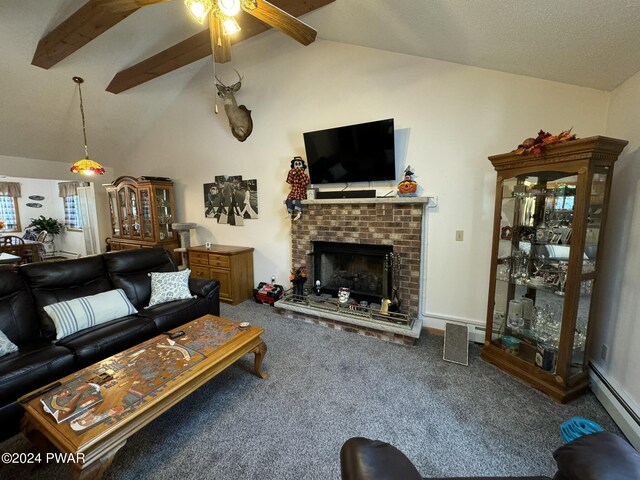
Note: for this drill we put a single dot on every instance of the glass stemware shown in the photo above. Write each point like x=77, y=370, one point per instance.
x=538, y=263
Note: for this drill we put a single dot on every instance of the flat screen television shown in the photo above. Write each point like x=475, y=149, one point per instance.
x=353, y=153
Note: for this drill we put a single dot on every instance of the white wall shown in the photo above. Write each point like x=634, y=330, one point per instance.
x=453, y=117
x=619, y=282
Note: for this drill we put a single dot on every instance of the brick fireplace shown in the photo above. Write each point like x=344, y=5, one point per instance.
x=393, y=222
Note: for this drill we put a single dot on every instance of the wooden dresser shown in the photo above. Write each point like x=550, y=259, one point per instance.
x=232, y=266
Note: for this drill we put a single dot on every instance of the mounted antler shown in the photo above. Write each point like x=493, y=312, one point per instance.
x=239, y=116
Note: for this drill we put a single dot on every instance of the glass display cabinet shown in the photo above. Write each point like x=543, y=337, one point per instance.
x=549, y=223
x=142, y=211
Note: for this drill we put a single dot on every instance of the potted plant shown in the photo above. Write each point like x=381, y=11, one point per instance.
x=48, y=224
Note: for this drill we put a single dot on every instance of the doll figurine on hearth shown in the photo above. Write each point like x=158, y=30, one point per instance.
x=298, y=180
x=298, y=277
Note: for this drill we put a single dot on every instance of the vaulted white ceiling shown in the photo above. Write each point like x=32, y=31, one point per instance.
x=591, y=43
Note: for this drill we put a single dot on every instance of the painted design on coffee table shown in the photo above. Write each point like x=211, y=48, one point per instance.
x=137, y=374
x=206, y=335
x=145, y=371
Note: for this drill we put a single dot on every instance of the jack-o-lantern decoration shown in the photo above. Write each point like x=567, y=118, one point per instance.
x=408, y=187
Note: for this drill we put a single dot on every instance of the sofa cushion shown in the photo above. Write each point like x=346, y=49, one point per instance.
x=18, y=317
x=169, y=286
x=128, y=270
x=31, y=367
x=53, y=282
x=84, y=312
x=599, y=456
x=203, y=287
x=6, y=345
x=97, y=343
x=173, y=314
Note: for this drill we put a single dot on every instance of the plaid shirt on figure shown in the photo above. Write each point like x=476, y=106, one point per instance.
x=299, y=181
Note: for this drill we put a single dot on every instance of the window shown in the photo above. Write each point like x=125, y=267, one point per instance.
x=9, y=214
x=72, y=215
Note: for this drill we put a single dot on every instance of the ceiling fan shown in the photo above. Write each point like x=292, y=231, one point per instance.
x=95, y=17
x=222, y=22
x=222, y=14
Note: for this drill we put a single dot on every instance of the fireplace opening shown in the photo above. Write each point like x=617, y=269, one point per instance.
x=364, y=269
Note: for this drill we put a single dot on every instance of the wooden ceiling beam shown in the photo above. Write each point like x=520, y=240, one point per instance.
x=88, y=22
x=199, y=46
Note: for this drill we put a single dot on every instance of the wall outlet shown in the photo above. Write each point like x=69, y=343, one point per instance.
x=459, y=235
x=604, y=351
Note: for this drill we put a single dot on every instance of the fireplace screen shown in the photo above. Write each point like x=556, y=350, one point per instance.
x=361, y=268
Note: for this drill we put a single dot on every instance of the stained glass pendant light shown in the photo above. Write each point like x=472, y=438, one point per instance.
x=85, y=166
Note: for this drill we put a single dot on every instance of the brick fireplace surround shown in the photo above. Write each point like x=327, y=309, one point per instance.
x=395, y=222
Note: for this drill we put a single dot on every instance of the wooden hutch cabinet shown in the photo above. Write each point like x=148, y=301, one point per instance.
x=549, y=223
x=142, y=211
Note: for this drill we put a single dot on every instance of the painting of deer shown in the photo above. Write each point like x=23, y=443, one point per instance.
x=239, y=116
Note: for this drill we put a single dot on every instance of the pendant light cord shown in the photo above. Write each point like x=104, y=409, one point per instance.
x=79, y=81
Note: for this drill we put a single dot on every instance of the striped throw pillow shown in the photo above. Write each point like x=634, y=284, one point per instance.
x=84, y=312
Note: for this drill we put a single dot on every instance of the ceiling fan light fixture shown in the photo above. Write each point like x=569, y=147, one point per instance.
x=199, y=9
x=85, y=166
x=229, y=25
x=229, y=7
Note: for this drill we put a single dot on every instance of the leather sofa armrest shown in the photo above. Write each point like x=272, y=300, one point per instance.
x=202, y=286
x=364, y=459
x=598, y=456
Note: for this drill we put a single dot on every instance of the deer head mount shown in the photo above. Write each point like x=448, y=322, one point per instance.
x=239, y=116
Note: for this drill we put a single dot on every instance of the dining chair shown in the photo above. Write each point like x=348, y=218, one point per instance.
x=14, y=245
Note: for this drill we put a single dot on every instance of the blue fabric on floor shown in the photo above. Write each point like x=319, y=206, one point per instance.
x=576, y=427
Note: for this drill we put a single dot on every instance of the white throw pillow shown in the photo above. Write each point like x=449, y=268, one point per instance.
x=169, y=286
x=84, y=312
x=6, y=345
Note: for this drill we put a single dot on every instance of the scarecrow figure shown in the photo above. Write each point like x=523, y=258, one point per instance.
x=298, y=180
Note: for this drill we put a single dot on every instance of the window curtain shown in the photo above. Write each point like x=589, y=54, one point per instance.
x=10, y=189
x=68, y=189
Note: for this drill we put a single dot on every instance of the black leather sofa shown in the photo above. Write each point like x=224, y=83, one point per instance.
x=27, y=289
x=599, y=456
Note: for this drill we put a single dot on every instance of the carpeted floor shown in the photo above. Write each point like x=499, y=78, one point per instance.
x=325, y=386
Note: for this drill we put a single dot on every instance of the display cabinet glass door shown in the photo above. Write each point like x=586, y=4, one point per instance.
x=534, y=248
x=164, y=213
x=125, y=226
x=134, y=211
x=115, y=214
x=145, y=214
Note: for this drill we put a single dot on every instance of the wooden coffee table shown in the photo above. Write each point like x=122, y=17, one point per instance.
x=137, y=386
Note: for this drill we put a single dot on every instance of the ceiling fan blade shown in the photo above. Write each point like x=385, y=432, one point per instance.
x=281, y=20
x=220, y=43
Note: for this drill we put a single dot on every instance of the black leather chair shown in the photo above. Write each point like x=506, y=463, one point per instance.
x=599, y=456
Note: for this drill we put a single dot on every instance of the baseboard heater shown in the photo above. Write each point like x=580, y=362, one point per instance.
x=616, y=395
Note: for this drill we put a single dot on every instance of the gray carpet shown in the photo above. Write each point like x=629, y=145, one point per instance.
x=325, y=386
